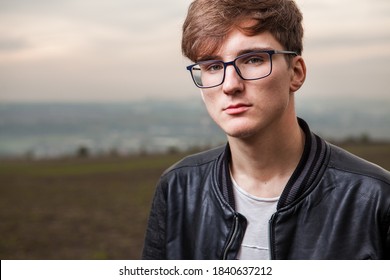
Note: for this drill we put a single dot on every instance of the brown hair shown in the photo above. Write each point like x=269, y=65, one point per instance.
x=209, y=21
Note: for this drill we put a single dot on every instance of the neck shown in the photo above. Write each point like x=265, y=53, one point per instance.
x=263, y=164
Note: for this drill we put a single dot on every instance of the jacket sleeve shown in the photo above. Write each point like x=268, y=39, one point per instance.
x=154, y=245
x=387, y=248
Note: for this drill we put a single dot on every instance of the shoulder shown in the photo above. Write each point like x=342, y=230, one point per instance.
x=356, y=182
x=353, y=165
x=197, y=160
x=193, y=174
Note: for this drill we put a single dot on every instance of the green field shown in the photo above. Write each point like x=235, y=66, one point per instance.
x=94, y=208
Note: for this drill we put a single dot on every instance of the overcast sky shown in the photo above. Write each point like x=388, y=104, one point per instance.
x=121, y=50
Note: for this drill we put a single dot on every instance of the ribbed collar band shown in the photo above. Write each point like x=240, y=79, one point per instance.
x=312, y=160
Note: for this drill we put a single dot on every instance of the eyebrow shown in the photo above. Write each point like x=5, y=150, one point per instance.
x=245, y=51
x=241, y=52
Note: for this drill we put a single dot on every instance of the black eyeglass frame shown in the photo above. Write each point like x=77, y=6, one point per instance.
x=233, y=63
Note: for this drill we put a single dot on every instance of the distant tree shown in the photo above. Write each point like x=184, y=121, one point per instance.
x=173, y=150
x=29, y=155
x=365, y=138
x=83, y=152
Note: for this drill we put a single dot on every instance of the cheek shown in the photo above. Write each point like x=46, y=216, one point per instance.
x=202, y=94
x=271, y=90
x=271, y=95
x=278, y=86
x=210, y=101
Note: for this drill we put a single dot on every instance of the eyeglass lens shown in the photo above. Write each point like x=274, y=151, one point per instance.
x=250, y=67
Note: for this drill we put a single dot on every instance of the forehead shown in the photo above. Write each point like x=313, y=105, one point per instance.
x=236, y=43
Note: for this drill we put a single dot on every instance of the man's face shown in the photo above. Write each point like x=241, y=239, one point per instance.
x=248, y=108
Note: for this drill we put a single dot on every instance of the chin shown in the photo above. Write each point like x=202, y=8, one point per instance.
x=241, y=132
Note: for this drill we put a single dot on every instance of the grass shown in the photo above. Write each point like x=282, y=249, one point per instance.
x=90, y=208
x=77, y=208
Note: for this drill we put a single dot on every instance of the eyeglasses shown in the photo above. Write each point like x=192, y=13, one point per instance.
x=250, y=66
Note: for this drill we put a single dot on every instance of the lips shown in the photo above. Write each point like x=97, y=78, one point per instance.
x=236, y=109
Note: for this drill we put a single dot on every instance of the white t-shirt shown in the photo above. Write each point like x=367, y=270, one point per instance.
x=258, y=212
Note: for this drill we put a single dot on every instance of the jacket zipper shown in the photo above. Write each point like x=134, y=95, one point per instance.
x=271, y=239
x=235, y=230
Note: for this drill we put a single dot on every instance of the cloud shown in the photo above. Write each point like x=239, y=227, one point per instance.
x=13, y=43
x=347, y=48
x=122, y=50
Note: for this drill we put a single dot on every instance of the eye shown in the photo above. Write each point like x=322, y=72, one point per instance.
x=254, y=59
x=212, y=66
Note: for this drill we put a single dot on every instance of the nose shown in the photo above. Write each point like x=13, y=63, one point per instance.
x=233, y=83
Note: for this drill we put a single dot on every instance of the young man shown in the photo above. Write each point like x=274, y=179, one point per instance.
x=276, y=190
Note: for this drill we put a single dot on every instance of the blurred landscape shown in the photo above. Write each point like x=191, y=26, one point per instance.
x=77, y=180
x=47, y=130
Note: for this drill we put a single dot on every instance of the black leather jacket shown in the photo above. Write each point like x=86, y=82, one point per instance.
x=335, y=206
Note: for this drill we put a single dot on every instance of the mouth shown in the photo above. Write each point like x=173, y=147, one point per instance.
x=236, y=109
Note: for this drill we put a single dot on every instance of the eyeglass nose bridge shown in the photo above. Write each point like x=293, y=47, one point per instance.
x=231, y=63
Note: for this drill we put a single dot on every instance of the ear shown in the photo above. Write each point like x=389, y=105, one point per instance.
x=298, y=76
